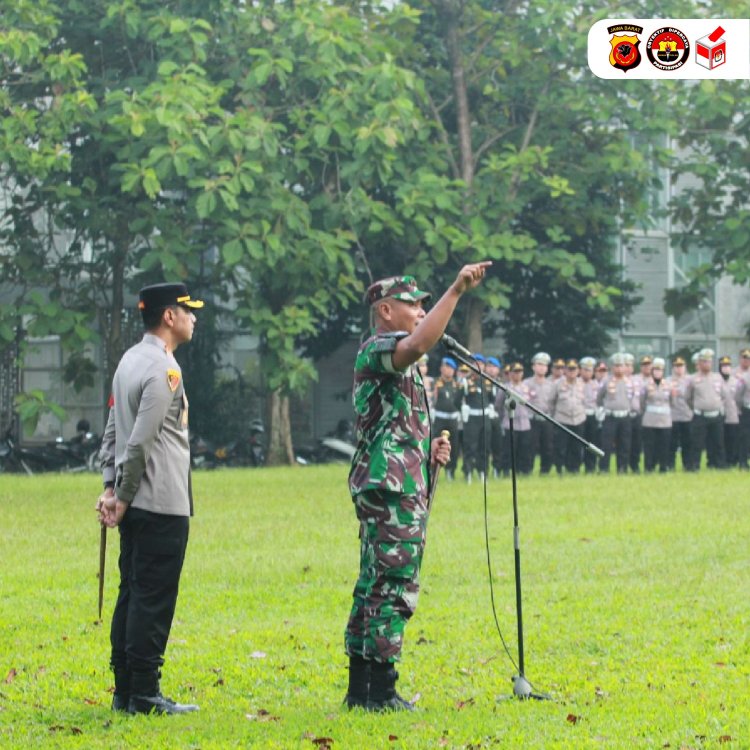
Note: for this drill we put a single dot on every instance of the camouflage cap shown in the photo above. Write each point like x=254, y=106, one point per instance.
x=403, y=288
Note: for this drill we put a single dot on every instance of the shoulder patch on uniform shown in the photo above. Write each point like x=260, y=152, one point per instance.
x=173, y=379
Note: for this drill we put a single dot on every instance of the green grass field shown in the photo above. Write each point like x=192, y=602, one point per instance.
x=635, y=608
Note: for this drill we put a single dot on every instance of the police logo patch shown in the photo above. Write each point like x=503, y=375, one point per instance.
x=625, y=54
x=173, y=379
x=668, y=48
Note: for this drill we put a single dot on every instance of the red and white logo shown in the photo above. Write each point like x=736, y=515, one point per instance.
x=711, y=50
x=668, y=48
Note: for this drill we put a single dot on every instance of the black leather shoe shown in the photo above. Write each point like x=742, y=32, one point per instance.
x=396, y=703
x=158, y=704
x=120, y=701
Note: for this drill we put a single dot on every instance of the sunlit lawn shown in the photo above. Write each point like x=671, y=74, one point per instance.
x=635, y=606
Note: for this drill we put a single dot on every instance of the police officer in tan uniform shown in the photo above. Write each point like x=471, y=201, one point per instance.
x=540, y=395
x=145, y=459
x=636, y=415
x=568, y=408
x=656, y=417
x=592, y=426
x=616, y=398
x=682, y=416
x=706, y=397
x=743, y=402
x=521, y=424
x=731, y=412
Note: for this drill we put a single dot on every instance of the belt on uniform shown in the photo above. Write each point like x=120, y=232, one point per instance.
x=538, y=417
x=447, y=414
x=707, y=414
x=479, y=412
x=656, y=409
x=618, y=414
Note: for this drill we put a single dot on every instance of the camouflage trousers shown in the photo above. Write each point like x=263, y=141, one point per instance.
x=392, y=534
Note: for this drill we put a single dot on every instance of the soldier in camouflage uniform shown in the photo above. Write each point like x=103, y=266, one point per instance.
x=390, y=478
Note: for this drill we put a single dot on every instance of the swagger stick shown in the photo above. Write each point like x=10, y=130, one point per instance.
x=102, y=559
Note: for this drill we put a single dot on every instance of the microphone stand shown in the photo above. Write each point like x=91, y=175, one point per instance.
x=521, y=686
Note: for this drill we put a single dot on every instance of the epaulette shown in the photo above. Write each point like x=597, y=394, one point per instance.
x=386, y=342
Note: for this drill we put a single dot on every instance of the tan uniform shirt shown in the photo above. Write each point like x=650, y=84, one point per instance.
x=706, y=394
x=681, y=411
x=540, y=394
x=145, y=450
x=655, y=403
x=616, y=396
x=731, y=408
x=568, y=402
x=522, y=416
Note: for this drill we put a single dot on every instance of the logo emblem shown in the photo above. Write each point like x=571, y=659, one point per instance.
x=173, y=379
x=668, y=48
x=711, y=50
x=625, y=54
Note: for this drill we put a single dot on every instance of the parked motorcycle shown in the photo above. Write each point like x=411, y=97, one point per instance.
x=80, y=453
x=245, y=451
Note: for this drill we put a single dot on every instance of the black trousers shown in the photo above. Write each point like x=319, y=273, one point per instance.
x=522, y=451
x=541, y=443
x=152, y=550
x=636, y=444
x=476, y=431
x=708, y=433
x=744, y=448
x=656, y=447
x=732, y=444
x=592, y=432
x=568, y=451
x=616, y=439
x=681, y=441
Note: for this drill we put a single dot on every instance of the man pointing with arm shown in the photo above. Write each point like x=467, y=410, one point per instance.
x=389, y=477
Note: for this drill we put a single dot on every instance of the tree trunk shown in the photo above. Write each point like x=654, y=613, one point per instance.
x=473, y=332
x=280, y=451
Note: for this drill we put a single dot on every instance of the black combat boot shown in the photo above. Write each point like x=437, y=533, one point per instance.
x=121, y=696
x=359, y=682
x=383, y=695
x=146, y=697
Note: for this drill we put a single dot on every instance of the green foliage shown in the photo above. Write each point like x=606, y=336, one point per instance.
x=634, y=618
x=31, y=405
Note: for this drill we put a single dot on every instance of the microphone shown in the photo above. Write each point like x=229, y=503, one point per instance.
x=453, y=345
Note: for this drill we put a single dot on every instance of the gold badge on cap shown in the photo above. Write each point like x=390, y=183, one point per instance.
x=173, y=379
